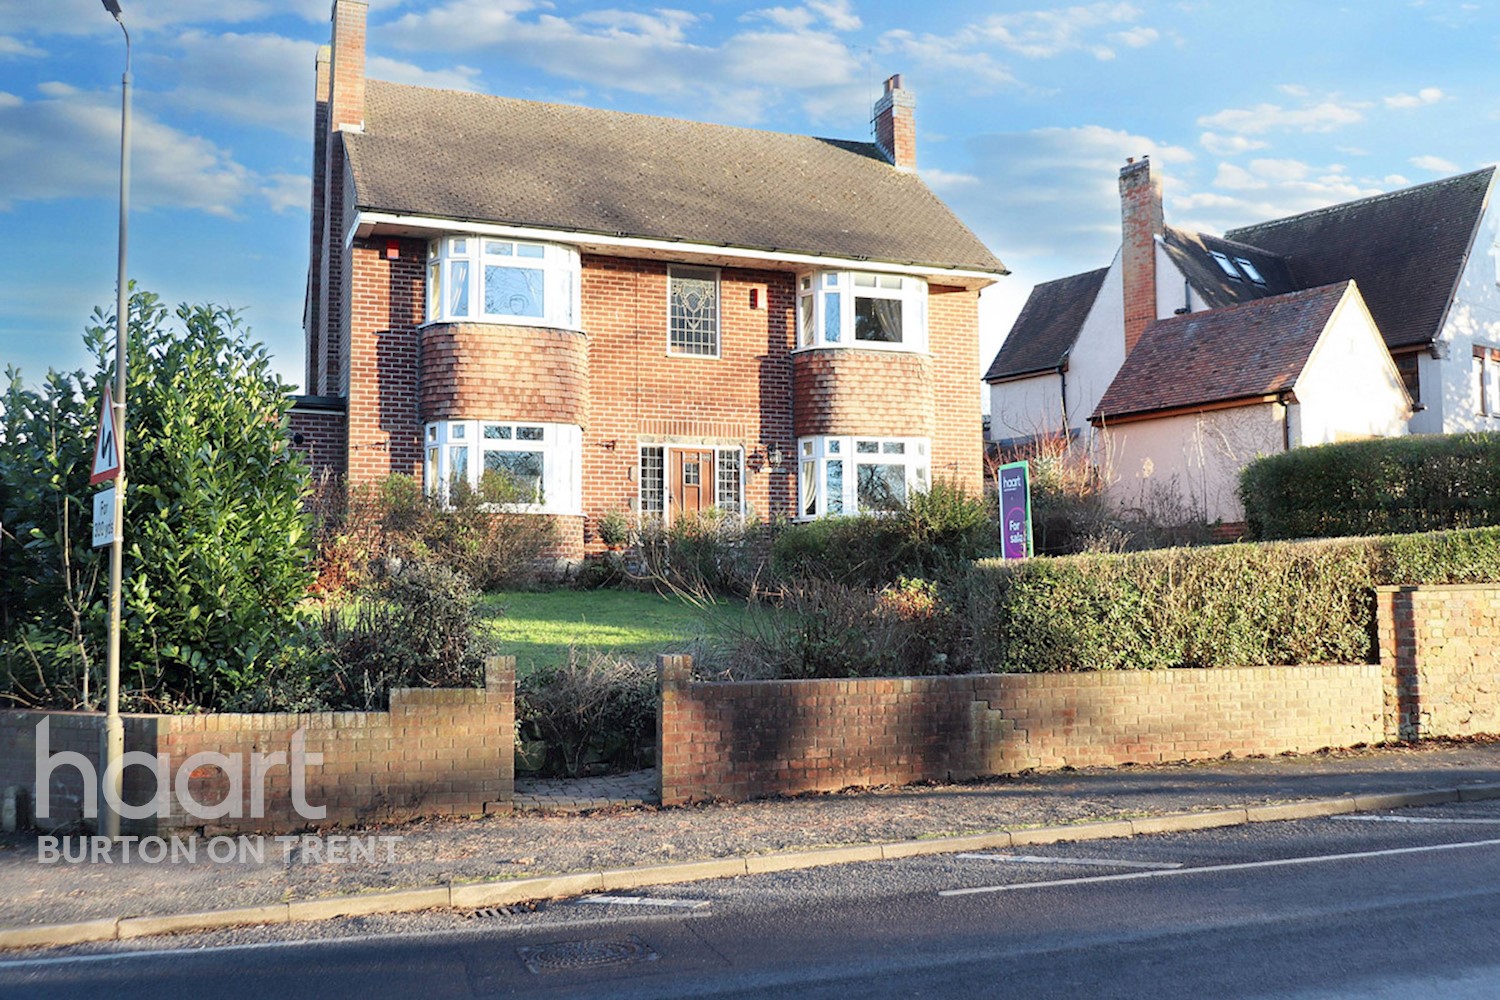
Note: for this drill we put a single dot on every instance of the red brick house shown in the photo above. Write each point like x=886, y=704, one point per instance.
x=628, y=313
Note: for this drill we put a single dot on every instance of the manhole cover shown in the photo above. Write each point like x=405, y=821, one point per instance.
x=572, y=956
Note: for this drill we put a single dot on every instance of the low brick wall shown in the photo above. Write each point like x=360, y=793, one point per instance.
x=742, y=740
x=437, y=751
x=1440, y=652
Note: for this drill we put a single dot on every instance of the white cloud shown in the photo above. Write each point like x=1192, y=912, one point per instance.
x=947, y=180
x=1229, y=145
x=77, y=134
x=255, y=79
x=287, y=192
x=396, y=71
x=1051, y=191
x=1044, y=34
x=1320, y=116
x=87, y=17
x=1269, y=189
x=654, y=53
x=1425, y=96
x=1435, y=164
x=839, y=14
x=14, y=47
x=1136, y=38
x=944, y=54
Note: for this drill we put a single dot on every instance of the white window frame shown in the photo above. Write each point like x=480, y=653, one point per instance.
x=456, y=448
x=823, y=295
x=1484, y=381
x=470, y=254
x=818, y=456
x=650, y=493
x=697, y=274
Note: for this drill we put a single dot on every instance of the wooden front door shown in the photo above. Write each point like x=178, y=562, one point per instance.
x=691, y=482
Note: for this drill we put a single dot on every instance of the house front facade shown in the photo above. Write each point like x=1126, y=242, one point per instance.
x=615, y=312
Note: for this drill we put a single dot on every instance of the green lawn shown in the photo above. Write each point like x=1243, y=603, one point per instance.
x=538, y=628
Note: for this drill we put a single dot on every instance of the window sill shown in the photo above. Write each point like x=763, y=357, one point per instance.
x=873, y=348
x=516, y=321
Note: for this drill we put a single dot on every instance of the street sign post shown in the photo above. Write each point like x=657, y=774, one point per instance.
x=1015, y=510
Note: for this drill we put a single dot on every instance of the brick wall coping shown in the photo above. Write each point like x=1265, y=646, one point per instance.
x=1416, y=588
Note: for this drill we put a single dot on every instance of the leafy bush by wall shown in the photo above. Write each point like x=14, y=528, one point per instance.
x=1233, y=605
x=1384, y=486
x=937, y=532
x=593, y=713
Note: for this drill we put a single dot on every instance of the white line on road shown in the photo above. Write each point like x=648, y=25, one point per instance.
x=1418, y=819
x=1241, y=866
x=681, y=904
x=1035, y=859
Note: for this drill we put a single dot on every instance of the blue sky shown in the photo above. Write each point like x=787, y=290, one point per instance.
x=1025, y=113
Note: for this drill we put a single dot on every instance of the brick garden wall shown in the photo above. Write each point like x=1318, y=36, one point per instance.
x=743, y=740
x=437, y=751
x=1438, y=651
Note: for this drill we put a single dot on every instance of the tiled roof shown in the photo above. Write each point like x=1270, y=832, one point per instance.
x=1193, y=255
x=1219, y=355
x=1047, y=327
x=478, y=158
x=1406, y=249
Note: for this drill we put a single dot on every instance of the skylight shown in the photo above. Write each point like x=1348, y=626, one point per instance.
x=1250, y=271
x=1226, y=265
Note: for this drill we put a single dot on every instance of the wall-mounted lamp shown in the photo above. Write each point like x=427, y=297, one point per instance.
x=773, y=456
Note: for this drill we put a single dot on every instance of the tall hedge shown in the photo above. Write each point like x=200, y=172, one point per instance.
x=1232, y=605
x=1383, y=486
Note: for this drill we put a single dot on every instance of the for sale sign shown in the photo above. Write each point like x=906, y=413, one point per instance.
x=1015, y=510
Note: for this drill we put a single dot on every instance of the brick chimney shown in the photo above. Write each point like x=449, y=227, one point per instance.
x=895, y=125
x=1140, y=223
x=345, y=111
x=348, y=104
x=312, y=317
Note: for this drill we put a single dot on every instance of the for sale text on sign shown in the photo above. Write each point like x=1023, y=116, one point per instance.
x=1015, y=510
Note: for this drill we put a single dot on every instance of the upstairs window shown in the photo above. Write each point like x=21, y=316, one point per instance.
x=479, y=279
x=1226, y=265
x=693, y=311
x=1251, y=271
x=861, y=309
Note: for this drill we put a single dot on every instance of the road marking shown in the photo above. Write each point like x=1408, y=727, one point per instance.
x=681, y=904
x=1418, y=819
x=1034, y=859
x=1241, y=866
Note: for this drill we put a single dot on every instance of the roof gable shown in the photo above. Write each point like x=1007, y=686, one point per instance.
x=1406, y=250
x=1047, y=327
x=479, y=158
x=1243, y=351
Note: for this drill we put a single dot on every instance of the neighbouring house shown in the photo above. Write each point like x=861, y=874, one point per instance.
x=1424, y=264
x=1202, y=394
x=618, y=312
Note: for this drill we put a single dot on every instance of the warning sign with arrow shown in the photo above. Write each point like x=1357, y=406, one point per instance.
x=107, y=445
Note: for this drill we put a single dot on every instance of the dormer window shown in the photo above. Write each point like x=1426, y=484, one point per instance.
x=485, y=280
x=1250, y=271
x=861, y=309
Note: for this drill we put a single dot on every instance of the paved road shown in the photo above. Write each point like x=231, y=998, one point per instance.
x=1401, y=906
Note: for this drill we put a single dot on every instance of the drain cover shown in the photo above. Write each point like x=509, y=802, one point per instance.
x=573, y=956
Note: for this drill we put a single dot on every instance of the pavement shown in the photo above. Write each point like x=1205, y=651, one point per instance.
x=566, y=839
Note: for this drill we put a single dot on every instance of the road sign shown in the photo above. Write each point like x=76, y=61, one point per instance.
x=104, y=517
x=1015, y=510
x=106, y=444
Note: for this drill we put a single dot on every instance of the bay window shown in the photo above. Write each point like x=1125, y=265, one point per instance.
x=520, y=465
x=480, y=279
x=859, y=475
x=861, y=309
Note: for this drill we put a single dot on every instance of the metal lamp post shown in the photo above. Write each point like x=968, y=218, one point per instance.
x=114, y=727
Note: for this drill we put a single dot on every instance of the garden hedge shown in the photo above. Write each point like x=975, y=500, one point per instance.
x=1232, y=605
x=1384, y=486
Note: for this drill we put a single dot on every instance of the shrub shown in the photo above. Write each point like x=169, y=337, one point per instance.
x=702, y=554
x=1385, y=486
x=1236, y=605
x=592, y=714
x=365, y=527
x=218, y=548
x=416, y=629
x=936, y=532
